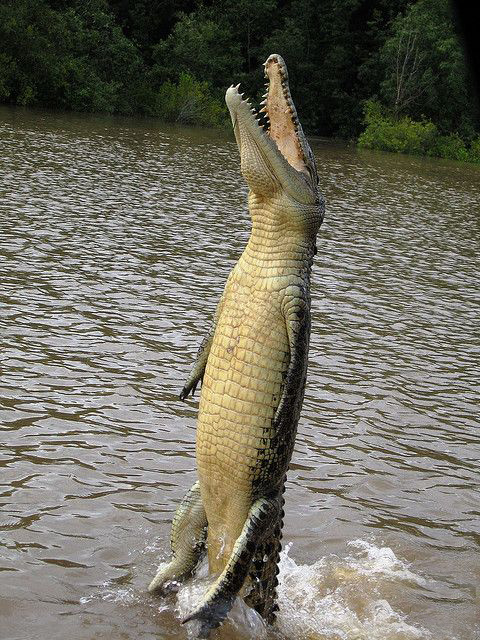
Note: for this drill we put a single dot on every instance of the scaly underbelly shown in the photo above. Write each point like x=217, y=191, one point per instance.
x=240, y=394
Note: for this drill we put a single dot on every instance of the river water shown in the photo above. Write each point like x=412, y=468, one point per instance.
x=116, y=236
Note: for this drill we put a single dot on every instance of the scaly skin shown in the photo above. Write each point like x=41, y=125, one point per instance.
x=253, y=365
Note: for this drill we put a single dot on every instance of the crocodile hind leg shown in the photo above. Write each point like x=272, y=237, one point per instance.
x=187, y=540
x=219, y=598
x=264, y=571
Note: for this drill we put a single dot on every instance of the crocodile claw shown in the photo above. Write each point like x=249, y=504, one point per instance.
x=202, y=628
x=209, y=616
x=163, y=587
x=183, y=393
x=186, y=390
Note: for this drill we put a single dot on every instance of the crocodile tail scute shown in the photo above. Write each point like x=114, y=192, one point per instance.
x=264, y=572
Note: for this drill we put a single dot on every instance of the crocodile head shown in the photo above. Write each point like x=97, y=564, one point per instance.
x=275, y=155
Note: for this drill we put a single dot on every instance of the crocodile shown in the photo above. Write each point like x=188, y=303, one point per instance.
x=252, y=368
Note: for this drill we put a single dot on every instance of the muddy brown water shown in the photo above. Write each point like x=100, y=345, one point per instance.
x=116, y=236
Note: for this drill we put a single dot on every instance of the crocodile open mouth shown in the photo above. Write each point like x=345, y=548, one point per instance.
x=280, y=118
x=273, y=137
x=277, y=118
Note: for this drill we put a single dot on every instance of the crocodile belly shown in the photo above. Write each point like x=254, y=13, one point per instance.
x=240, y=393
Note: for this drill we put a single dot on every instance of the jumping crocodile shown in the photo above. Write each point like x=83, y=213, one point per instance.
x=252, y=366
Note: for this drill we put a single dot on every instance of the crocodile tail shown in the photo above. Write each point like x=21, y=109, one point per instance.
x=264, y=571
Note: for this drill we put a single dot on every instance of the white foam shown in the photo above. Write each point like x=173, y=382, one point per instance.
x=335, y=599
x=109, y=592
x=382, y=561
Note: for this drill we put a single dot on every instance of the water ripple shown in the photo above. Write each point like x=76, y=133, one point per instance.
x=116, y=239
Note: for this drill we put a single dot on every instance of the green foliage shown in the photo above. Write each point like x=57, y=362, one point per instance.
x=146, y=22
x=174, y=59
x=189, y=102
x=77, y=58
x=200, y=47
x=424, y=69
x=218, y=43
x=474, y=151
x=329, y=47
x=451, y=146
x=403, y=135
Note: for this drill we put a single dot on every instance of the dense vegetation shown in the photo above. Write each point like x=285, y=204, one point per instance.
x=356, y=65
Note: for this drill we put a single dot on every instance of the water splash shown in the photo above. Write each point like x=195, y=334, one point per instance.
x=381, y=561
x=246, y=623
x=110, y=592
x=333, y=599
x=343, y=599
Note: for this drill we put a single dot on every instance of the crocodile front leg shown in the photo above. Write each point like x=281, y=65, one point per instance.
x=187, y=540
x=219, y=598
x=198, y=369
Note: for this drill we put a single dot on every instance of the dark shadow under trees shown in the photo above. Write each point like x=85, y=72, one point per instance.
x=174, y=59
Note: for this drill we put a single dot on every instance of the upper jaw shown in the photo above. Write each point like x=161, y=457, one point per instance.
x=281, y=144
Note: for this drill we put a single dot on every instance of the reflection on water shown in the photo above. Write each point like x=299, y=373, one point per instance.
x=116, y=238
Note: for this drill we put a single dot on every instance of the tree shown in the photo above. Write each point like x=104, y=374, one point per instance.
x=128, y=55
x=75, y=58
x=408, y=63
x=331, y=48
x=424, y=69
x=201, y=47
